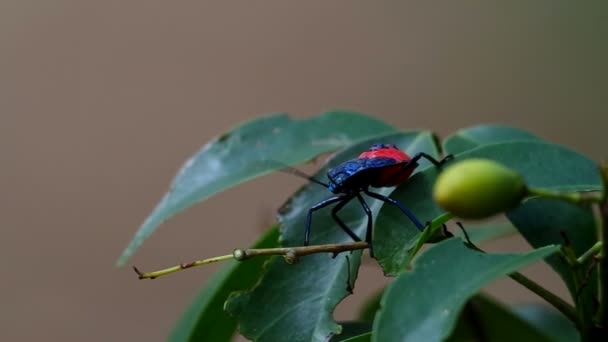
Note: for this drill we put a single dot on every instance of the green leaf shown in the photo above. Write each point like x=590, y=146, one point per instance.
x=484, y=319
x=432, y=305
x=478, y=233
x=549, y=321
x=541, y=222
x=296, y=302
x=251, y=150
x=472, y=137
x=541, y=164
x=205, y=318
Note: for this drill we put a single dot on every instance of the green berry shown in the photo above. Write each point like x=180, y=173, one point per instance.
x=478, y=188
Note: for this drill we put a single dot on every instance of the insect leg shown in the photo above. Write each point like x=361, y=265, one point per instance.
x=316, y=207
x=410, y=165
x=406, y=211
x=368, y=232
x=466, y=235
x=334, y=214
x=437, y=163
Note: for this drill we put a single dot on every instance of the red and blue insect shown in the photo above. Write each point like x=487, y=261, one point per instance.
x=383, y=165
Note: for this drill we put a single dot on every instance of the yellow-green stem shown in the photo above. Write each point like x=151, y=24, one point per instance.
x=590, y=253
x=602, y=314
x=160, y=273
x=577, y=197
x=290, y=254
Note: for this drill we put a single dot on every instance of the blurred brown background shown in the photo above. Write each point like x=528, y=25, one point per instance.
x=102, y=101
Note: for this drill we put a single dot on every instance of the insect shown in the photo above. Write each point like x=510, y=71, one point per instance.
x=383, y=165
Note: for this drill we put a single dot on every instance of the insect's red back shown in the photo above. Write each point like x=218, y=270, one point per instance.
x=386, y=151
x=391, y=174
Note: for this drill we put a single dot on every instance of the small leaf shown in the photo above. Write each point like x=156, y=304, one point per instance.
x=205, y=319
x=541, y=164
x=472, y=137
x=432, y=306
x=248, y=151
x=295, y=302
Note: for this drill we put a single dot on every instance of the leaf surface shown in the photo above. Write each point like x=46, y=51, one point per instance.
x=475, y=136
x=432, y=306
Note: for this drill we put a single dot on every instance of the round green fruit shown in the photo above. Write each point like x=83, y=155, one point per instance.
x=478, y=188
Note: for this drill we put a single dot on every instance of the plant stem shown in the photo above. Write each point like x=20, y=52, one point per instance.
x=576, y=197
x=568, y=310
x=290, y=254
x=590, y=253
x=602, y=315
x=160, y=273
x=293, y=252
x=583, y=304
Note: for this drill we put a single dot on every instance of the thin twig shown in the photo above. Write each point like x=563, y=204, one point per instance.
x=160, y=273
x=576, y=197
x=291, y=255
x=590, y=253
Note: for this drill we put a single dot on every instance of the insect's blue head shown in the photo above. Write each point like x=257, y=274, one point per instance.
x=335, y=184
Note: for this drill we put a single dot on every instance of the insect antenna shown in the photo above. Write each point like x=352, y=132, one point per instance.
x=297, y=172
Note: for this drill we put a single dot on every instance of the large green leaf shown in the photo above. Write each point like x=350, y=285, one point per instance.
x=542, y=221
x=484, y=319
x=443, y=279
x=472, y=137
x=247, y=151
x=296, y=302
x=478, y=233
x=541, y=164
x=205, y=319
